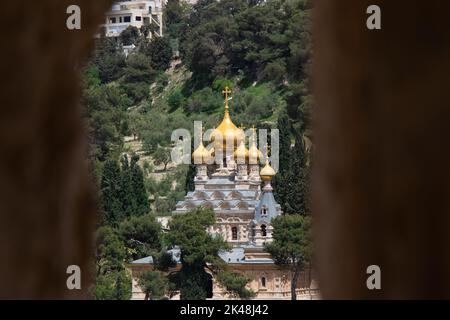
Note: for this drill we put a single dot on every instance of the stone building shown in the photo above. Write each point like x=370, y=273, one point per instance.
x=136, y=13
x=231, y=186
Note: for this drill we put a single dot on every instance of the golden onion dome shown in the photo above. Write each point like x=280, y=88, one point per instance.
x=201, y=154
x=241, y=152
x=254, y=154
x=227, y=130
x=267, y=173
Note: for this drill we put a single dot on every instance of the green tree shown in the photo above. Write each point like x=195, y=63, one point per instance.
x=91, y=76
x=110, y=254
x=113, y=286
x=105, y=110
x=175, y=100
x=110, y=193
x=159, y=51
x=137, y=77
x=291, y=245
x=129, y=36
x=109, y=59
x=138, y=190
x=199, y=252
x=154, y=284
x=162, y=156
x=281, y=182
x=141, y=236
x=127, y=197
x=123, y=286
x=298, y=181
x=190, y=175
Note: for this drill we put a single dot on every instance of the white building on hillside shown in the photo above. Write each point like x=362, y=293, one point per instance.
x=135, y=13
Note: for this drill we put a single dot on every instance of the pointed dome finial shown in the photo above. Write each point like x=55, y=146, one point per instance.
x=226, y=92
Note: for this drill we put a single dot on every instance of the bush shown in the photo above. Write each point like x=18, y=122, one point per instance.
x=204, y=100
x=137, y=91
x=175, y=100
x=162, y=80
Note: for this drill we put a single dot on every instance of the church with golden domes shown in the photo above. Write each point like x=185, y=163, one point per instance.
x=228, y=180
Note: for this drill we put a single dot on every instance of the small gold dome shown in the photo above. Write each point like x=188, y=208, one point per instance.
x=241, y=152
x=267, y=173
x=254, y=154
x=201, y=154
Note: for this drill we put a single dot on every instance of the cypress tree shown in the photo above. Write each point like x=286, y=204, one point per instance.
x=281, y=182
x=126, y=193
x=190, y=175
x=110, y=191
x=139, y=193
x=297, y=201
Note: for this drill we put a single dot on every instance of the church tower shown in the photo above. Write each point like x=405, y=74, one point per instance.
x=266, y=210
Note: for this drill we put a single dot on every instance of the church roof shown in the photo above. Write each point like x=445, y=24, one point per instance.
x=235, y=255
x=245, y=194
x=175, y=252
x=244, y=204
x=271, y=207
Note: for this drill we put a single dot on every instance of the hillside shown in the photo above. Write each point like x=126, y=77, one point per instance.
x=260, y=49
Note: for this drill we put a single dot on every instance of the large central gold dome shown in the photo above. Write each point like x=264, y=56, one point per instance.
x=227, y=130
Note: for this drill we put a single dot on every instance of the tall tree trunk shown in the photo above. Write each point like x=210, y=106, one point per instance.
x=294, y=283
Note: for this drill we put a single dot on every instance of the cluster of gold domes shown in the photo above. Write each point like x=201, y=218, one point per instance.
x=228, y=132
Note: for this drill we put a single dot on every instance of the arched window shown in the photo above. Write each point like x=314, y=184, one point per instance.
x=264, y=211
x=263, y=230
x=263, y=282
x=234, y=233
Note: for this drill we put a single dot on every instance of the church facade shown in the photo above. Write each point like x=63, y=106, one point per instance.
x=231, y=186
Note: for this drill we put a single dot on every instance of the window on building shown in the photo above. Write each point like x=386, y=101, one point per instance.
x=138, y=18
x=263, y=231
x=263, y=282
x=234, y=233
x=112, y=20
x=120, y=19
x=127, y=19
x=264, y=211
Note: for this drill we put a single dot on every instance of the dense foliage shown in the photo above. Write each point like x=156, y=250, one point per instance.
x=199, y=253
x=291, y=246
x=262, y=50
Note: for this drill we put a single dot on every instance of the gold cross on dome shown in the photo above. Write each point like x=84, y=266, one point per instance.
x=226, y=92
